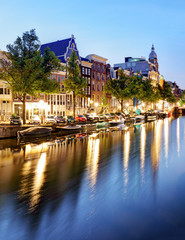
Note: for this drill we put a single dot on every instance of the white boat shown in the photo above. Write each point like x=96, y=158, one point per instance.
x=69, y=128
x=151, y=117
x=117, y=121
x=139, y=118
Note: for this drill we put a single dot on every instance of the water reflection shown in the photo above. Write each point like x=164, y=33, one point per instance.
x=126, y=151
x=38, y=181
x=178, y=135
x=93, y=158
x=142, y=150
x=46, y=185
x=156, y=143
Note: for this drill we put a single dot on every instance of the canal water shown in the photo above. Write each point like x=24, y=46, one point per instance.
x=127, y=184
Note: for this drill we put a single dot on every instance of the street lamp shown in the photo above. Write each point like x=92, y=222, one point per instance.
x=96, y=105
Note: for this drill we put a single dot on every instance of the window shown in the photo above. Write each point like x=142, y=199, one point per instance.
x=98, y=67
x=88, y=90
x=89, y=72
x=62, y=88
x=42, y=96
x=28, y=97
x=35, y=98
x=102, y=68
x=97, y=98
x=88, y=81
x=93, y=98
x=93, y=88
x=98, y=75
x=53, y=77
x=82, y=70
x=58, y=78
x=93, y=66
x=102, y=86
x=102, y=77
x=7, y=91
x=1, y=90
x=98, y=87
x=86, y=71
x=93, y=75
x=63, y=77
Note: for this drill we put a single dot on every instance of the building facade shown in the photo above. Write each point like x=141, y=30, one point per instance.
x=148, y=69
x=100, y=73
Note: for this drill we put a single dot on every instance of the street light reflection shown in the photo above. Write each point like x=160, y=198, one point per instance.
x=178, y=135
x=166, y=136
x=93, y=159
x=155, y=147
x=38, y=181
x=126, y=156
x=142, y=149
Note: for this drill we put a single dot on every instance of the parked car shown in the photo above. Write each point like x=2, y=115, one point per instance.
x=89, y=117
x=108, y=117
x=101, y=117
x=70, y=119
x=81, y=118
x=50, y=119
x=96, y=118
x=35, y=119
x=60, y=119
x=15, y=120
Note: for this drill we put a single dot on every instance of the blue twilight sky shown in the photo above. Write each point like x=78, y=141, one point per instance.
x=112, y=29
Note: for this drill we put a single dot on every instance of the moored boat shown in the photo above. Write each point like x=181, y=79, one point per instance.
x=34, y=132
x=117, y=121
x=69, y=128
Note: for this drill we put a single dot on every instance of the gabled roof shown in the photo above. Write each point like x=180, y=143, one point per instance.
x=62, y=48
x=58, y=47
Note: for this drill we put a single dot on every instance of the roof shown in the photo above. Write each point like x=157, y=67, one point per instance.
x=58, y=47
x=84, y=59
x=153, y=54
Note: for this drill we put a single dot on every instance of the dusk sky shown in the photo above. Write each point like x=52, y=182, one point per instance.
x=112, y=29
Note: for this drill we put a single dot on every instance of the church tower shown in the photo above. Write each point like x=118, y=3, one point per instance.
x=153, y=59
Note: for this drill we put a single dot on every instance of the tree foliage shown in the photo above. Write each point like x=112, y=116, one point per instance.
x=166, y=93
x=25, y=70
x=74, y=82
x=118, y=87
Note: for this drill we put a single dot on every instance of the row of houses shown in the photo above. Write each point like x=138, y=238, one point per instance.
x=94, y=68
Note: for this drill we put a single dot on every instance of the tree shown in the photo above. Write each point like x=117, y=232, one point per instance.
x=118, y=87
x=74, y=82
x=26, y=71
x=149, y=93
x=166, y=93
x=182, y=98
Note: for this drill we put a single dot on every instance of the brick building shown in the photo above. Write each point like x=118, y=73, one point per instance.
x=100, y=73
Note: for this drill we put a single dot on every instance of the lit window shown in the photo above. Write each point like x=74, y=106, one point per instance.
x=86, y=71
x=89, y=72
x=82, y=70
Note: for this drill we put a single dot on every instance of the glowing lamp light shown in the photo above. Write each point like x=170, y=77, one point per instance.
x=96, y=104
